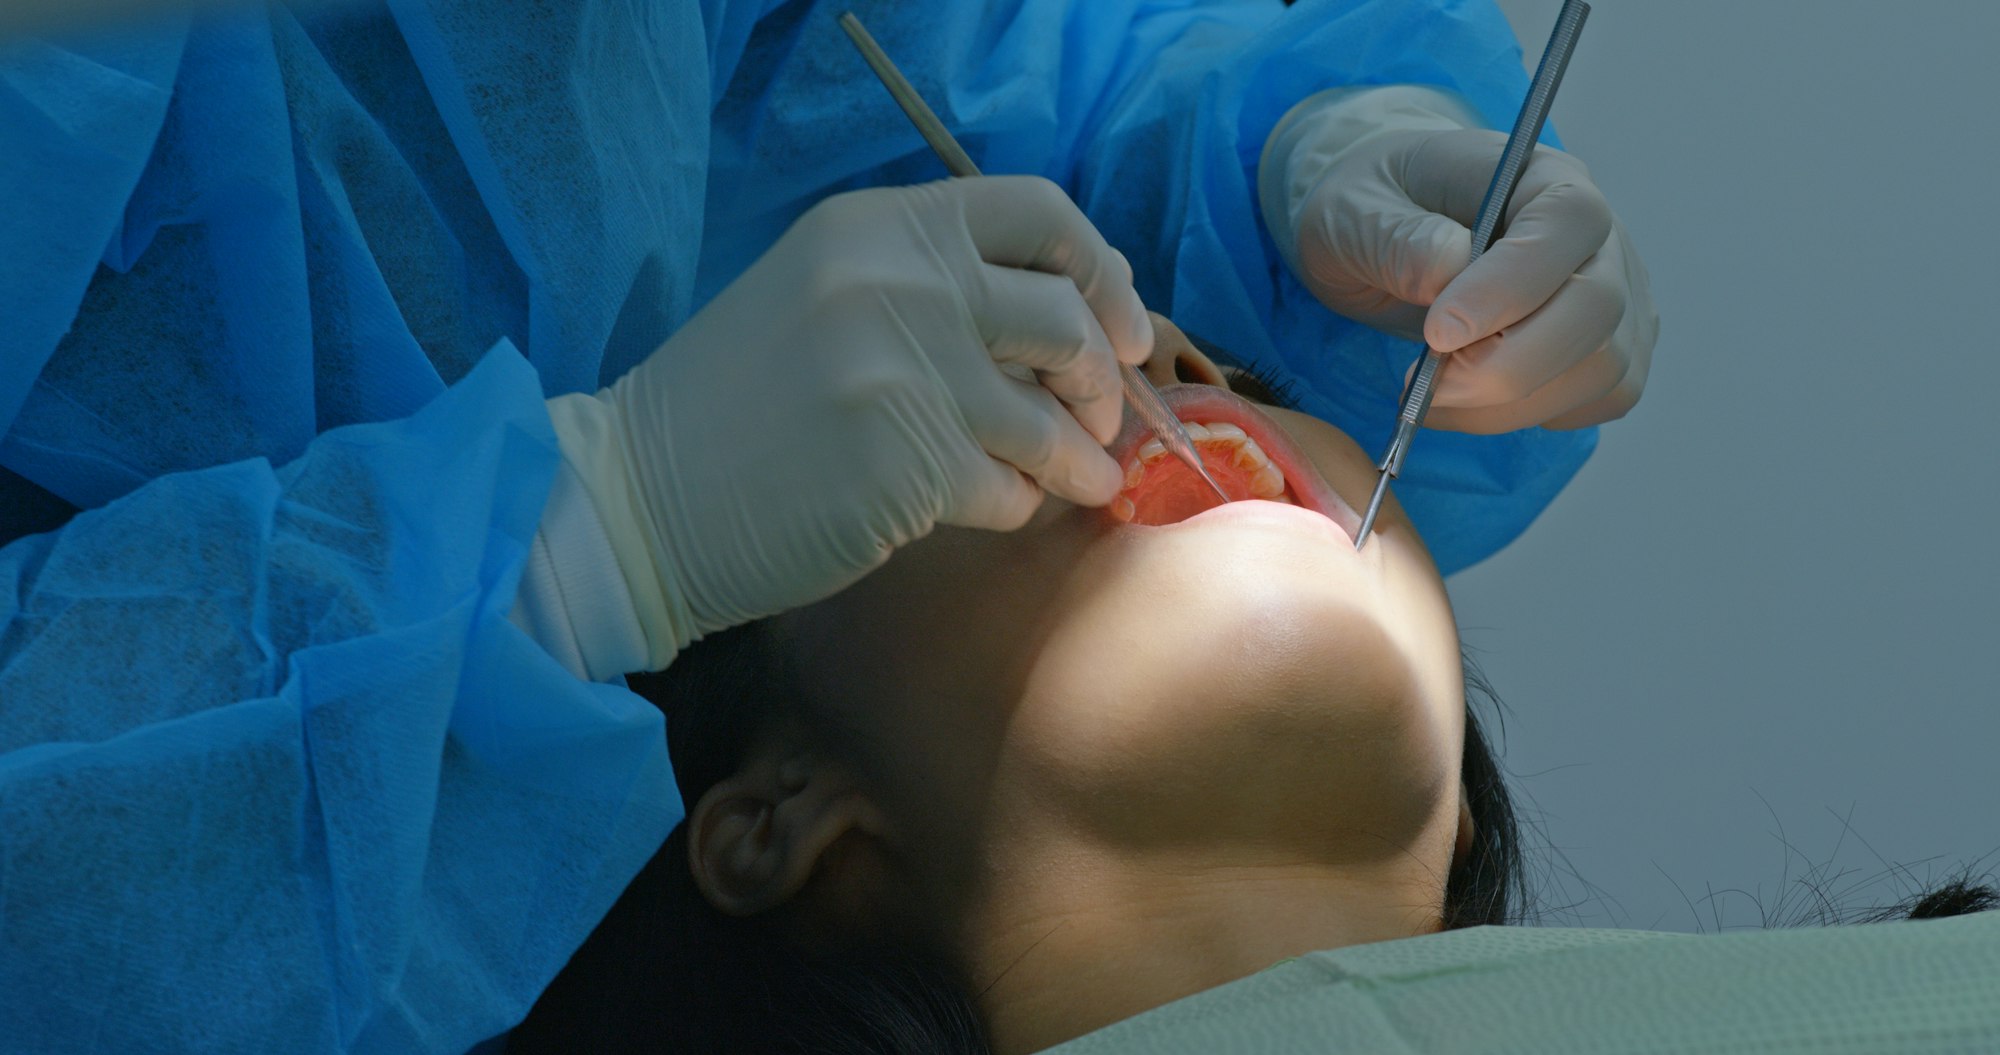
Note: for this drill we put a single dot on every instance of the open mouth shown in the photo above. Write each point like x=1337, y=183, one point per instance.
x=1246, y=452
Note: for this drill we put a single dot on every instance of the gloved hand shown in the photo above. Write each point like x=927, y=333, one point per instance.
x=847, y=393
x=1370, y=195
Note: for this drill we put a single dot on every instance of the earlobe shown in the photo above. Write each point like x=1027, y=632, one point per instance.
x=755, y=838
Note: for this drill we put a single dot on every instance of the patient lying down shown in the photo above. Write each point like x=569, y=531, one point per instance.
x=1012, y=788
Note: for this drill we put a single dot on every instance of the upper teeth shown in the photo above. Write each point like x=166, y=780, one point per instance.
x=1266, y=481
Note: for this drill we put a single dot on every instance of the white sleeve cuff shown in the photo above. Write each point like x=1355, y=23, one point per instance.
x=573, y=597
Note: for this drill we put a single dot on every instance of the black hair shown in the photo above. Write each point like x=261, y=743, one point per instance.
x=667, y=972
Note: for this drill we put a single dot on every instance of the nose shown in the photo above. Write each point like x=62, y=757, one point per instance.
x=1175, y=359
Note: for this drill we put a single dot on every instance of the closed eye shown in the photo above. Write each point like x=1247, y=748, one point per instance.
x=1252, y=383
x=1260, y=388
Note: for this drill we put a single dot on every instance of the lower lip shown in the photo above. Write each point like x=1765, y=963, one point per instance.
x=1276, y=514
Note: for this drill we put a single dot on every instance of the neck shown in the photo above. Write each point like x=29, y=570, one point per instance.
x=1082, y=952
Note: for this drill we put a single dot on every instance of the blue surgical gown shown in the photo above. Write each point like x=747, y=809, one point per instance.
x=276, y=772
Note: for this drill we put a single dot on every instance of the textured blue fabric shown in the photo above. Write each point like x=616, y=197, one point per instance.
x=277, y=773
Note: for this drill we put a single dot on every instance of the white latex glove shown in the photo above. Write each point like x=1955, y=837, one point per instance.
x=1370, y=195
x=847, y=393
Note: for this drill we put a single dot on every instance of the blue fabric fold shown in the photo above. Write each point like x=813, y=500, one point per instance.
x=276, y=771
x=76, y=128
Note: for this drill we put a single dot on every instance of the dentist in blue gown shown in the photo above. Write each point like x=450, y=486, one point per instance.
x=379, y=382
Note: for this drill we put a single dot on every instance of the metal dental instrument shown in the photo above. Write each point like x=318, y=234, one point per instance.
x=1513, y=161
x=1139, y=392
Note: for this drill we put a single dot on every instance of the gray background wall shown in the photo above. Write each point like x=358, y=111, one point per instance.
x=1768, y=599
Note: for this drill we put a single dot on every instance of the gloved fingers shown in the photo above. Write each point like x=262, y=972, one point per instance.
x=1039, y=321
x=1637, y=334
x=1591, y=382
x=1612, y=405
x=1374, y=255
x=1569, y=398
x=1601, y=387
x=1557, y=220
x=995, y=496
x=1028, y=222
x=1448, y=172
x=1024, y=425
x=1507, y=367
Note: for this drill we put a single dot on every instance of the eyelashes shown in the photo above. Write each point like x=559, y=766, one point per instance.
x=1251, y=382
x=1264, y=386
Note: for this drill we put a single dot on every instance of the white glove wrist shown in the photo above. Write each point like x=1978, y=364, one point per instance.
x=1313, y=134
x=591, y=437
x=573, y=599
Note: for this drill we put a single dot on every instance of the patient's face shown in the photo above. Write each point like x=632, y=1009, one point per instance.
x=1244, y=686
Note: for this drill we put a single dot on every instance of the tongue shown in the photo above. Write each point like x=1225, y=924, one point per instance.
x=1171, y=492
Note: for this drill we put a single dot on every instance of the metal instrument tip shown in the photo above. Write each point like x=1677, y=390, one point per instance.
x=1374, y=507
x=1219, y=492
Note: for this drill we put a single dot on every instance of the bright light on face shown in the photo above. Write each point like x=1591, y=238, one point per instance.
x=1197, y=721
x=1188, y=669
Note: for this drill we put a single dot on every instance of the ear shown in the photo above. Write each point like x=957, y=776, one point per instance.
x=1465, y=828
x=755, y=838
x=1175, y=358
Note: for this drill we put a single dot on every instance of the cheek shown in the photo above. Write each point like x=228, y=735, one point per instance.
x=1342, y=461
x=924, y=660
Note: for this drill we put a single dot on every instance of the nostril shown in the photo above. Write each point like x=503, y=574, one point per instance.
x=1186, y=370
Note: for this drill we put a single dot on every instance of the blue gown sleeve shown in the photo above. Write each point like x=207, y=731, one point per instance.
x=277, y=774
x=1152, y=114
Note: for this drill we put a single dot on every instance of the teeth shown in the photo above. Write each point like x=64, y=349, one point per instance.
x=1284, y=499
x=1249, y=457
x=1267, y=482
x=1122, y=508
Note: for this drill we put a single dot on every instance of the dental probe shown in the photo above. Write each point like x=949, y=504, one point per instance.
x=1513, y=161
x=1145, y=399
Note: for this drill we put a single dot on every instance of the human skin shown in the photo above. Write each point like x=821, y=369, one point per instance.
x=1098, y=766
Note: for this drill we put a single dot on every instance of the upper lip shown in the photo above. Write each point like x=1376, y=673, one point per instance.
x=1210, y=403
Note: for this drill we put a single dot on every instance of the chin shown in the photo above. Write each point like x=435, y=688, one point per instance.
x=1229, y=675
